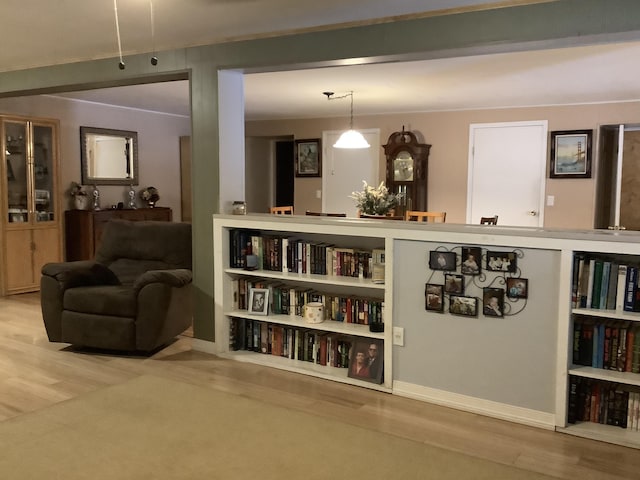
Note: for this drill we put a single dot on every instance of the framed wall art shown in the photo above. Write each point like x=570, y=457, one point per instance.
x=461, y=305
x=440, y=260
x=434, y=297
x=308, y=158
x=571, y=154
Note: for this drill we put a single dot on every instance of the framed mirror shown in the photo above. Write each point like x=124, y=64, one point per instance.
x=108, y=157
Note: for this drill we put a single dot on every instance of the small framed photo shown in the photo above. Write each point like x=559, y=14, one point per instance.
x=517, y=288
x=308, y=158
x=461, y=305
x=259, y=301
x=571, y=154
x=366, y=360
x=493, y=302
x=442, y=260
x=434, y=297
x=471, y=260
x=501, y=262
x=453, y=283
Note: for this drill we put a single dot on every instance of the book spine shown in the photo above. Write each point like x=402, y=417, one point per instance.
x=630, y=289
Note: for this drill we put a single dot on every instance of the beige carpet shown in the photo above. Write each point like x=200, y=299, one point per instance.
x=153, y=428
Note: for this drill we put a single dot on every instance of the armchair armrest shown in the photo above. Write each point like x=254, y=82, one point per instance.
x=177, y=277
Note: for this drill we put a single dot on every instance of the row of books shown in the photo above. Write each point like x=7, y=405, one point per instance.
x=287, y=300
x=605, y=284
x=611, y=345
x=603, y=402
x=597, y=282
x=308, y=345
x=287, y=254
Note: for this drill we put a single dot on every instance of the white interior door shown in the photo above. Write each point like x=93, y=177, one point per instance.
x=343, y=171
x=507, y=165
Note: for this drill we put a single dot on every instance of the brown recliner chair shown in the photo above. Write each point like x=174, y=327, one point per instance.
x=135, y=296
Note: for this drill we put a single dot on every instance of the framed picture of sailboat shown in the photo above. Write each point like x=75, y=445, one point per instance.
x=571, y=154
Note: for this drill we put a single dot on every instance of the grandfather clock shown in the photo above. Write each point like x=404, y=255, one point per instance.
x=407, y=162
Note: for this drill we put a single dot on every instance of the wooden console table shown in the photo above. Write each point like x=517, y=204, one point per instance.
x=83, y=228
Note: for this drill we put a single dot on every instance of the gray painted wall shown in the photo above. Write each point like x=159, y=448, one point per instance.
x=474, y=355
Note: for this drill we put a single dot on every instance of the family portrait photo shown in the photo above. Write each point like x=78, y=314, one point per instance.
x=440, y=260
x=471, y=258
x=366, y=360
x=493, y=302
x=434, y=297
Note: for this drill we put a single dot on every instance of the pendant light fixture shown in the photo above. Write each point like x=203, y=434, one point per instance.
x=351, y=138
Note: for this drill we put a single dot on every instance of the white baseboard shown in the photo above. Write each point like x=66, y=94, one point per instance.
x=489, y=408
x=203, y=346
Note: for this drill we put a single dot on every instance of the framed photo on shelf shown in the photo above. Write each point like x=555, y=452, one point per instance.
x=366, y=360
x=571, y=154
x=259, y=301
x=308, y=158
x=453, y=283
x=461, y=305
x=440, y=260
x=517, y=287
x=434, y=297
x=471, y=260
x=502, y=262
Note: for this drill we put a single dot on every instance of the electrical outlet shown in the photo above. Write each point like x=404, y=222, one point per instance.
x=398, y=336
x=551, y=200
x=318, y=193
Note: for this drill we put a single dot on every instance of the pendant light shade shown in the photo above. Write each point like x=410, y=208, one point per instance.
x=351, y=138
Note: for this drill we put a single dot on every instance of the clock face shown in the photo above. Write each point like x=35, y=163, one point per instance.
x=403, y=167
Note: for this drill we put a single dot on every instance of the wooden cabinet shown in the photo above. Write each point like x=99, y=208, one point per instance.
x=30, y=226
x=83, y=228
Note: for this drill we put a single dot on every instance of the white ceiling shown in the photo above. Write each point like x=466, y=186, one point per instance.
x=79, y=30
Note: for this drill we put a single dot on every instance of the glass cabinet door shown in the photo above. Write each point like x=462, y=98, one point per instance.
x=17, y=172
x=43, y=151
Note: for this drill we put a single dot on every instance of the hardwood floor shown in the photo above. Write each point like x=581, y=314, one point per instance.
x=35, y=373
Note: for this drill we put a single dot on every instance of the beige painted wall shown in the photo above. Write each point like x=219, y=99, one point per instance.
x=448, y=133
x=158, y=141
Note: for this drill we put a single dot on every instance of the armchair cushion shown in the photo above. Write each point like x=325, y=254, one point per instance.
x=113, y=300
x=96, y=274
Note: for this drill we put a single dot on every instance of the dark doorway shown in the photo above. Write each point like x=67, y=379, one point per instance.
x=284, y=173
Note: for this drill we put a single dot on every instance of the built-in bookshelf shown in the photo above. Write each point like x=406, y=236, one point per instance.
x=295, y=267
x=603, y=399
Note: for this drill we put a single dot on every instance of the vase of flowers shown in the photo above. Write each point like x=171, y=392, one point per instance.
x=376, y=200
x=79, y=195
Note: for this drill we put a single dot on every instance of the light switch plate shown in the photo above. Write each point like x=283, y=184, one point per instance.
x=398, y=336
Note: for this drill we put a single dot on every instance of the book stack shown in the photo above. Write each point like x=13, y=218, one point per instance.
x=599, y=283
x=603, y=402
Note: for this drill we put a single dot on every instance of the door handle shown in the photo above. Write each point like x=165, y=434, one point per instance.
x=533, y=213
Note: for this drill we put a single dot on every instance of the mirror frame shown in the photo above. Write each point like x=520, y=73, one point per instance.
x=84, y=160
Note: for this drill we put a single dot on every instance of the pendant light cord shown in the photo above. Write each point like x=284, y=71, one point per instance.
x=351, y=122
x=154, y=59
x=115, y=10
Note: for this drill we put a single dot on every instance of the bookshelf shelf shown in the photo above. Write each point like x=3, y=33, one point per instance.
x=612, y=314
x=298, y=366
x=626, y=378
x=333, y=280
x=603, y=433
x=301, y=248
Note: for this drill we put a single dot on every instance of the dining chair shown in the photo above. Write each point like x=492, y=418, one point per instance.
x=432, y=217
x=324, y=214
x=288, y=210
x=489, y=220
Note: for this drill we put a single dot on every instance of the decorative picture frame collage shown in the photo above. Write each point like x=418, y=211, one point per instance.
x=495, y=274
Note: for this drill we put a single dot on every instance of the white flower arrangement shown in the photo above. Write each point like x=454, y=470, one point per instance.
x=376, y=200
